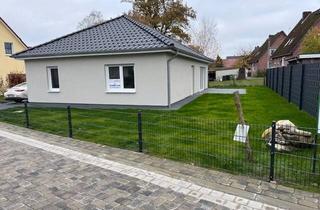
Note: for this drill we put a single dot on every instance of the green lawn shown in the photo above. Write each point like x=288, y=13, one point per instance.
x=200, y=133
x=254, y=81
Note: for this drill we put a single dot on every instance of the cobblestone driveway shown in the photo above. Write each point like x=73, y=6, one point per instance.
x=38, y=175
x=38, y=179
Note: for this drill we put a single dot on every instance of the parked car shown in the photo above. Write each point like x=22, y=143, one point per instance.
x=17, y=93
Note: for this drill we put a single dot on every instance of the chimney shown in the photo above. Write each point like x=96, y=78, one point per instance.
x=305, y=14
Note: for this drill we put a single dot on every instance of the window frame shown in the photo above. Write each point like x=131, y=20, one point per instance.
x=49, y=79
x=121, y=89
x=5, y=49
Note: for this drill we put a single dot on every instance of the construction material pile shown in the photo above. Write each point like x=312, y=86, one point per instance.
x=288, y=137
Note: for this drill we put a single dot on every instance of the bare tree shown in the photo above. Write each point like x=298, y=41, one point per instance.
x=246, y=55
x=204, y=36
x=94, y=18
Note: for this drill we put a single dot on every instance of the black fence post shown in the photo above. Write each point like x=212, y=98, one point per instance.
x=26, y=111
x=282, y=80
x=314, y=158
x=140, y=142
x=272, y=151
x=290, y=83
x=69, y=122
x=277, y=87
x=301, y=87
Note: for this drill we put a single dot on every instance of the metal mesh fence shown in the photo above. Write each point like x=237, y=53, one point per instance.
x=290, y=156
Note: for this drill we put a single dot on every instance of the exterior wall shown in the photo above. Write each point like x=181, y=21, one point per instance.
x=275, y=45
x=278, y=62
x=8, y=64
x=265, y=61
x=227, y=72
x=83, y=81
x=262, y=65
x=185, y=82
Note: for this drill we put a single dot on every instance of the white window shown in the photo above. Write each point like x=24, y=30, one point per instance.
x=120, y=78
x=202, y=77
x=53, y=79
x=8, y=48
x=272, y=51
x=283, y=61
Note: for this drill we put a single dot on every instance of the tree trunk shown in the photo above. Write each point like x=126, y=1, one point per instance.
x=237, y=102
x=242, y=74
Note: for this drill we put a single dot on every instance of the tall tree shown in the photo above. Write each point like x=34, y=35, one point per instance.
x=94, y=18
x=170, y=17
x=204, y=35
x=243, y=63
x=311, y=42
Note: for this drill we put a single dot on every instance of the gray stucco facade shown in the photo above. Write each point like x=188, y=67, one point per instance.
x=83, y=79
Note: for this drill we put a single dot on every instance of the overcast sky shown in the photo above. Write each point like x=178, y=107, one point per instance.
x=241, y=23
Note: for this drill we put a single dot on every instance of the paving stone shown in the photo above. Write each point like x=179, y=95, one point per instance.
x=72, y=176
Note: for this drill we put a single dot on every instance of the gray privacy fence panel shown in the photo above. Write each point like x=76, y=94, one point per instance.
x=296, y=84
x=299, y=84
x=311, y=89
x=286, y=82
x=274, y=79
x=280, y=77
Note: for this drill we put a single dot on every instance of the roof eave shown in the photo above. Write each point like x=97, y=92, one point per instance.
x=90, y=54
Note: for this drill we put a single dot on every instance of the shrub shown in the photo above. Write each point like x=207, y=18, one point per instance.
x=3, y=86
x=311, y=41
x=15, y=79
x=261, y=73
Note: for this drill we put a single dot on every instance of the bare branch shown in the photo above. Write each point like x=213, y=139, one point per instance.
x=94, y=18
x=204, y=36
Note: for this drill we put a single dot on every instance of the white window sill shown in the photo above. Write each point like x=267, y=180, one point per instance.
x=121, y=91
x=54, y=91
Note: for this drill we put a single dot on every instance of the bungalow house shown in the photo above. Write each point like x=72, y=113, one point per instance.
x=291, y=46
x=118, y=62
x=261, y=56
x=10, y=43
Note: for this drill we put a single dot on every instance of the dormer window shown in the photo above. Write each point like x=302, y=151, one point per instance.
x=8, y=48
x=289, y=42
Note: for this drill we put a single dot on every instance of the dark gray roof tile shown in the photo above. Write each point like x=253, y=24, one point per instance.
x=121, y=34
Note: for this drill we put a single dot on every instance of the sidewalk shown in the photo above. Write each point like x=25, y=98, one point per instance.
x=220, y=189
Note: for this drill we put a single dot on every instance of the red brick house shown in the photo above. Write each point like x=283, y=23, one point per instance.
x=291, y=46
x=261, y=56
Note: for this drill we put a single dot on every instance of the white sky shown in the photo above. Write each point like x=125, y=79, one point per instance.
x=241, y=23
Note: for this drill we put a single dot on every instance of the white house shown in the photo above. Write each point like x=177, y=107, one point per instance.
x=118, y=62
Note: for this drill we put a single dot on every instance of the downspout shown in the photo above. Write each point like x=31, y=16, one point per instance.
x=168, y=77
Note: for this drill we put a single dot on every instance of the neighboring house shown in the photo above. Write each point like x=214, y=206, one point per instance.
x=261, y=56
x=227, y=72
x=231, y=61
x=118, y=62
x=291, y=46
x=10, y=43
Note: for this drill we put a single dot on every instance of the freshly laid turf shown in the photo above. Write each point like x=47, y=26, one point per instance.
x=200, y=133
x=254, y=81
